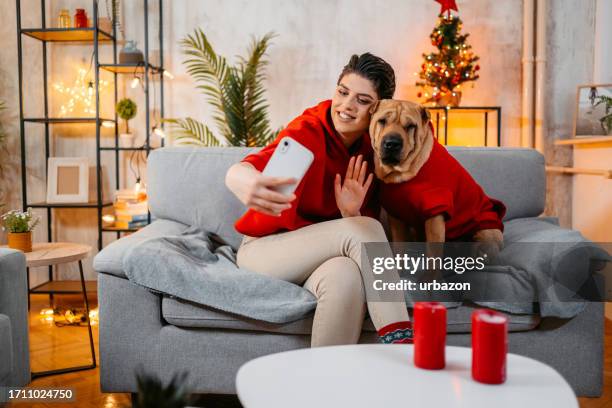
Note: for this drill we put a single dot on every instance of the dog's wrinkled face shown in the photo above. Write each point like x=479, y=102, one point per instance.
x=398, y=130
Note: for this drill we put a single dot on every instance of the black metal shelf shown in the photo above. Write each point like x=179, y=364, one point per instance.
x=96, y=38
x=68, y=120
x=91, y=204
x=129, y=149
x=443, y=112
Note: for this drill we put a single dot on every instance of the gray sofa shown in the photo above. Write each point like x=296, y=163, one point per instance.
x=14, y=343
x=164, y=335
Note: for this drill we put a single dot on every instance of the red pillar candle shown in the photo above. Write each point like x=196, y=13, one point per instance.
x=429, y=335
x=489, y=346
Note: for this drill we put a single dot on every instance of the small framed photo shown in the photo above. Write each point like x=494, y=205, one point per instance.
x=68, y=180
x=593, y=115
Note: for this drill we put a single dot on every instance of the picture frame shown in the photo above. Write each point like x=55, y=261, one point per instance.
x=68, y=180
x=593, y=114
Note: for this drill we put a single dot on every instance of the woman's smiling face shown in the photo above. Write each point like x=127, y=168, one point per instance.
x=350, y=108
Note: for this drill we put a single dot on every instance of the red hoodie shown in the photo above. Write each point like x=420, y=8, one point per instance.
x=315, y=200
x=443, y=186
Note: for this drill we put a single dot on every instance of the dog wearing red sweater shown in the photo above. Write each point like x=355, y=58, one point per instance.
x=425, y=189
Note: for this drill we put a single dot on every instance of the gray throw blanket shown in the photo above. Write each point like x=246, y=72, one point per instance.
x=546, y=263
x=199, y=267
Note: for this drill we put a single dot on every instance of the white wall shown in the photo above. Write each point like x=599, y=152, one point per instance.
x=316, y=38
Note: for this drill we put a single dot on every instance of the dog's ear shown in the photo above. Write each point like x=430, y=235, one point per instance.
x=425, y=115
x=374, y=107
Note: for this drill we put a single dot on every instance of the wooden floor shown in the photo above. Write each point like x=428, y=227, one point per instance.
x=55, y=347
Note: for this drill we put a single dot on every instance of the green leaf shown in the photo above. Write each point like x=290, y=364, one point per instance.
x=189, y=131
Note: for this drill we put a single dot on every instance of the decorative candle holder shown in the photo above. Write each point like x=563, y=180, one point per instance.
x=429, y=335
x=489, y=346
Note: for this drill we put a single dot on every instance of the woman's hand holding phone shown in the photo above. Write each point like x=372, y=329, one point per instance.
x=351, y=193
x=257, y=191
x=262, y=197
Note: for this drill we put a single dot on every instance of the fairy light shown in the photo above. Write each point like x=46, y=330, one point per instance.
x=135, y=82
x=159, y=132
x=108, y=124
x=80, y=96
x=168, y=74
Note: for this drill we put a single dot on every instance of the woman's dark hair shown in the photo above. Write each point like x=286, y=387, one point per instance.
x=375, y=69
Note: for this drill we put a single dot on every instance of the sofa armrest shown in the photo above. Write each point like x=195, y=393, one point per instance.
x=110, y=259
x=14, y=304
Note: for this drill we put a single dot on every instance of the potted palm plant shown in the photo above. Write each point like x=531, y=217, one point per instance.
x=19, y=226
x=235, y=93
x=126, y=110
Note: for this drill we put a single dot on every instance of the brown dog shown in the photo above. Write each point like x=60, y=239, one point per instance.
x=424, y=186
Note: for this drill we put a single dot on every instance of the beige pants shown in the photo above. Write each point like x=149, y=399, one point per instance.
x=325, y=258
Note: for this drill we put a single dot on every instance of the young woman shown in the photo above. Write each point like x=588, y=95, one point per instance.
x=313, y=237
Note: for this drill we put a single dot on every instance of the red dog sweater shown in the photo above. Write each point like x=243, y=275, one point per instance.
x=443, y=186
x=315, y=200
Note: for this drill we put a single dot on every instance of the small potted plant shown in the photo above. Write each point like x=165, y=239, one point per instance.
x=19, y=226
x=606, y=120
x=126, y=109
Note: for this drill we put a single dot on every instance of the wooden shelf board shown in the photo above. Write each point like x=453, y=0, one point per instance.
x=66, y=34
x=111, y=228
x=128, y=68
x=584, y=140
x=578, y=170
x=65, y=286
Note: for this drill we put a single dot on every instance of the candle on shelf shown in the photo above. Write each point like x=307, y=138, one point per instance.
x=429, y=335
x=489, y=346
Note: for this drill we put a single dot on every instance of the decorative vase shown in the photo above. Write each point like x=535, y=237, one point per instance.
x=129, y=54
x=450, y=100
x=20, y=240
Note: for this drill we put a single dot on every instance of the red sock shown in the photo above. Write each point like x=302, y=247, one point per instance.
x=396, y=333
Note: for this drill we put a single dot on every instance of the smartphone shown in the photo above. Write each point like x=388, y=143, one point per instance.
x=290, y=159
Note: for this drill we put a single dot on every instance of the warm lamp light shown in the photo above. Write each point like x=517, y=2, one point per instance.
x=168, y=74
x=135, y=82
x=159, y=132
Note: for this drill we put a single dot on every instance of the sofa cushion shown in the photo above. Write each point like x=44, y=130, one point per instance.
x=516, y=176
x=185, y=314
x=6, y=349
x=110, y=259
x=194, y=192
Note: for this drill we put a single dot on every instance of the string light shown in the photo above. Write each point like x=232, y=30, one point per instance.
x=135, y=82
x=159, y=132
x=168, y=74
x=108, y=124
x=80, y=95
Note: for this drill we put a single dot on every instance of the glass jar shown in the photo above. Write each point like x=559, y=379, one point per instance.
x=80, y=19
x=63, y=20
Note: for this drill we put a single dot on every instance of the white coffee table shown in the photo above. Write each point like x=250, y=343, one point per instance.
x=380, y=375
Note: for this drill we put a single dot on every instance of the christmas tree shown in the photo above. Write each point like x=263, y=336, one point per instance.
x=443, y=72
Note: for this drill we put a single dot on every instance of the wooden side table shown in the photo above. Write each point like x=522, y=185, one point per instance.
x=54, y=253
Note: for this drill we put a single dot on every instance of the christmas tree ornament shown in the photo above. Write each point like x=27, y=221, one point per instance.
x=447, y=5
